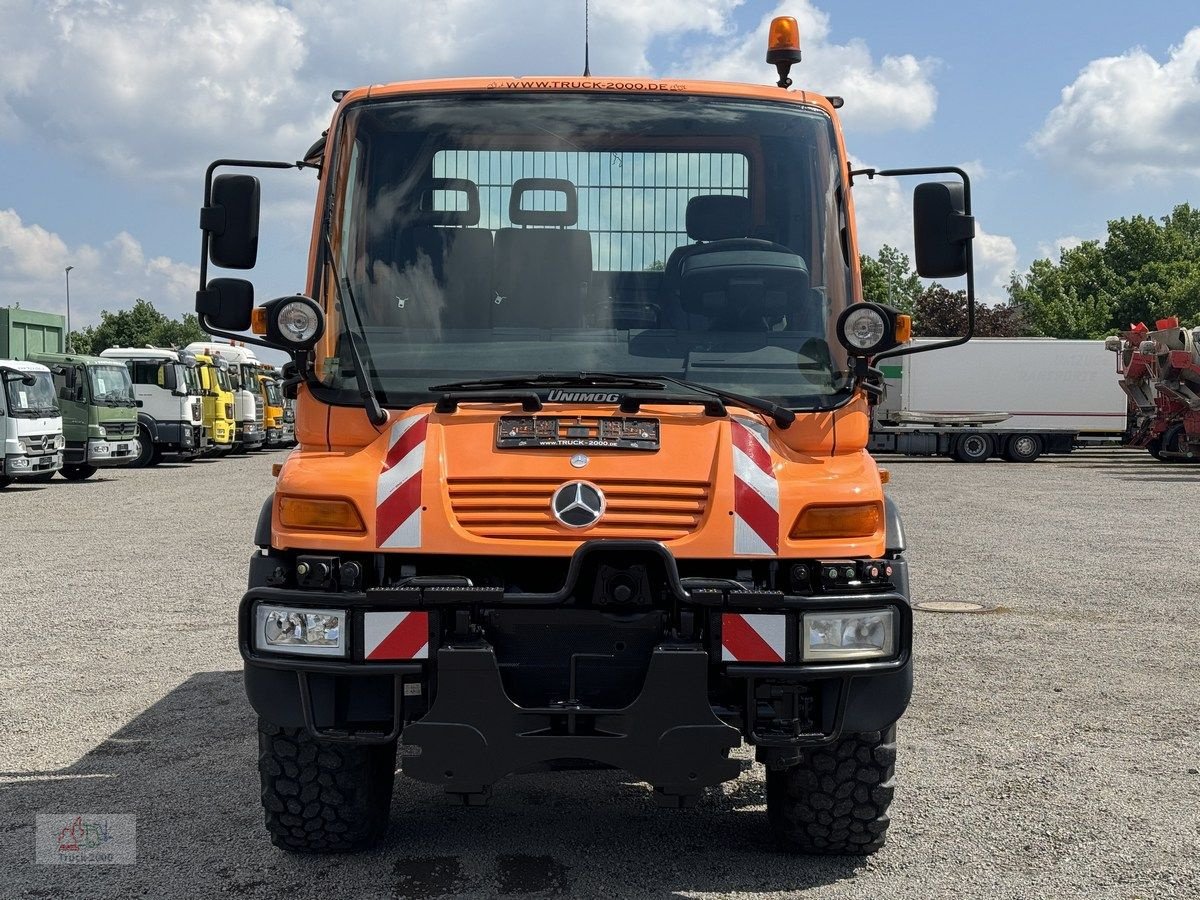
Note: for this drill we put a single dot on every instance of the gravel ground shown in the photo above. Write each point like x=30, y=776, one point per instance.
x=1050, y=750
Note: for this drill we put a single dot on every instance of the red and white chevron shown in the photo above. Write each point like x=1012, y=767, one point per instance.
x=398, y=492
x=753, y=637
x=755, y=491
x=396, y=635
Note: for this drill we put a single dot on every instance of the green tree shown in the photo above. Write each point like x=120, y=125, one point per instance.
x=1145, y=269
x=889, y=278
x=137, y=326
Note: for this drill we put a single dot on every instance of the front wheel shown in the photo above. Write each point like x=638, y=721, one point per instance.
x=836, y=800
x=145, y=449
x=323, y=797
x=81, y=472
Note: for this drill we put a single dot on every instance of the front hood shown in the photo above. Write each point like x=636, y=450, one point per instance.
x=716, y=488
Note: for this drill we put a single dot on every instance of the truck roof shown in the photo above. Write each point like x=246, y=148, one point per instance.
x=599, y=85
x=71, y=358
x=24, y=365
x=140, y=353
x=224, y=351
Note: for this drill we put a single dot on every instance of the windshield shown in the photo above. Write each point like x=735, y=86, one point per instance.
x=31, y=400
x=695, y=237
x=223, y=381
x=111, y=384
x=274, y=395
x=191, y=378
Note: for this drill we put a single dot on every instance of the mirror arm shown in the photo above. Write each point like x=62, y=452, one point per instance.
x=964, y=224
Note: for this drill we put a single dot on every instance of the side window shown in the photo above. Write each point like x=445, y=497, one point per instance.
x=62, y=382
x=144, y=372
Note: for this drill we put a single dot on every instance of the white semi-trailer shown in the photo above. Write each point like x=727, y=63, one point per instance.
x=1015, y=398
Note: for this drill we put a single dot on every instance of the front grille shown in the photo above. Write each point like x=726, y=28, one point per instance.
x=519, y=509
x=39, y=444
x=258, y=409
x=120, y=429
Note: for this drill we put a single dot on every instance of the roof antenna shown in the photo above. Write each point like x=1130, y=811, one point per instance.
x=587, y=68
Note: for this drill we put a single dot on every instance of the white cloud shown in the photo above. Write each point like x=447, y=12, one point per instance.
x=896, y=92
x=1129, y=117
x=155, y=90
x=1059, y=247
x=110, y=276
x=883, y=210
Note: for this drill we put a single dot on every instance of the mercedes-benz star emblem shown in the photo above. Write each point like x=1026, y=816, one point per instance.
x=579, y=460
x=578, y=504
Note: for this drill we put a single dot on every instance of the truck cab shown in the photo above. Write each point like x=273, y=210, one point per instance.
x=99, y=410
x=279, y=431
x=218, y=406
x=583, y=381
x=167, y=400
x=240, y=368
x=31, y=422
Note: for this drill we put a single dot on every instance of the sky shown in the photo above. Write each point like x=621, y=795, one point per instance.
x=1065, y=113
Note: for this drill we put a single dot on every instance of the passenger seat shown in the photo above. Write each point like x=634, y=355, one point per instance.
x=541, y=273
x=442, y=271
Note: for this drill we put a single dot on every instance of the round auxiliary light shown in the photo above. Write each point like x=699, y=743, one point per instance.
x=863, y=328
x=298, y=322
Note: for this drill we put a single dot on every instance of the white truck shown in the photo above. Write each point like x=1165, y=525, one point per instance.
x=250, y=431
x=30, y=420
x=1016, y=398
x=167, y=393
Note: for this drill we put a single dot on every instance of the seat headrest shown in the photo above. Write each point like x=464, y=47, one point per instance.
x=561, y=217
x=718, y=217
x=467, y=218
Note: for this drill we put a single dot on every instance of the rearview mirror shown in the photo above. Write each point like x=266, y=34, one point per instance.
x=231, y=221
x=226, y=304
x=941, y=229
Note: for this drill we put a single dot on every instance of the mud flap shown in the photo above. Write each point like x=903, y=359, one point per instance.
x=474, y=735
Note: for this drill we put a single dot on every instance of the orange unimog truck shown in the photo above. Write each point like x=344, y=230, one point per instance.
x=583, y=383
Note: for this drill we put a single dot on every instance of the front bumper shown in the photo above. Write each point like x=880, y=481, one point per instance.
x=101, y=452
x=250, y=436
x=461, y=725
x=20, y=466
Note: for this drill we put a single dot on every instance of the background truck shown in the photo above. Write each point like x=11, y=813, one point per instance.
x=99, y=410
x=1016, y=398
x=1160, y=372
x=30, y=422
x=280, y=430
x=583, y=400
x=167, y=396
x=240, y=366
x=219, y=406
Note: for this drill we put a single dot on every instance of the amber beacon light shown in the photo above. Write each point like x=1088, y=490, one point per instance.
x=783, y=47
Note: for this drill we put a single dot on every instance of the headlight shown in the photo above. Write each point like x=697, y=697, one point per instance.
x=103, y=433
x=845, y=636
x=60, y=441
x=23, y=444
x=316, y=632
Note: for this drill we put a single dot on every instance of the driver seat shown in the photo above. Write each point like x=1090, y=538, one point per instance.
x=711, y=217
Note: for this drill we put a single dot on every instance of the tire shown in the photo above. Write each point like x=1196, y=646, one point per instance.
x=80, y=472
x=1172, y=442
x=1155, y=448
x=322, y=797
x=974, y=447
x=1023, y=448
x=156, y=456
x=145, y=449
x=836, y=801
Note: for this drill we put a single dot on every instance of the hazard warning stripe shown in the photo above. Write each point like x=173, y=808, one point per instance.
x=755, y=491
x=753, y=637
x=398, y=493
x=396, y=635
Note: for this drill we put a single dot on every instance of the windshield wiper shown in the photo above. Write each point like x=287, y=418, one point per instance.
x=781, y=414
x=375, y=412
x=554, y=379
